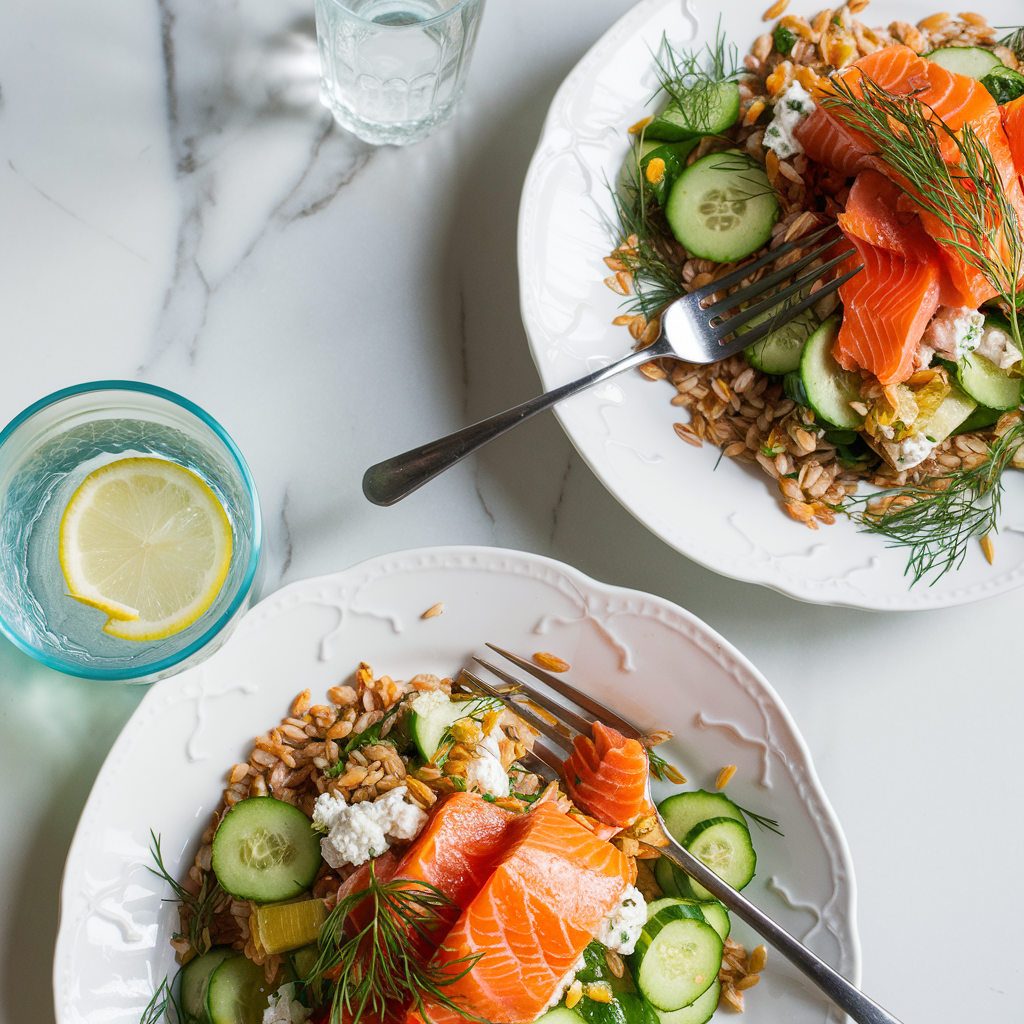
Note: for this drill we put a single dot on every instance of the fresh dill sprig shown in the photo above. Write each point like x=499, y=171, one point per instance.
x=165, y=1005
x=946, y=513
x=662, y=770
x=381, y=966
x=478, y=706
x=1014, y=40
x=762, y=822
x=200, y=906
x=967, y=195
x=689, y=77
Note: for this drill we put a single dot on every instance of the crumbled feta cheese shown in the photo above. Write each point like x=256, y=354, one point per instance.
x=624, y=923
x=484, y=770
x=284, y=1008
x=953, y=331
x=790, y=109
x=998, y=346
x=556, y=998
x=428, y=701
x=913, y=450
x=357, y=832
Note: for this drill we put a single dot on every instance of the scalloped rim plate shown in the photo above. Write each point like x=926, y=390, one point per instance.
x=727, y=519
x=652, y=660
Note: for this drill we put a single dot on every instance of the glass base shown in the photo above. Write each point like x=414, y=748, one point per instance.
x=394, y=133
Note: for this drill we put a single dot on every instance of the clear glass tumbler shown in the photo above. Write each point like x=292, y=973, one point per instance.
x=391, y=71
x=45, y=453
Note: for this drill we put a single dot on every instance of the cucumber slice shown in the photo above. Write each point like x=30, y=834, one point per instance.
x=428, y=730
x=722, y=207
x=684, y=810
x=724, y=845
x=779, y=352
x=303, y=960
x=699, y=1012
x=955, y=408
x=195, y=981
x=979, y=419
x=1004, y=84
x=667, y=879
x=238, y=992
x=714, y=913
x=972, y=61
x=559, y=1015
x=987, y=384
x=677, y=959
x=829, y=388
x=265, y=850
x=706, y=110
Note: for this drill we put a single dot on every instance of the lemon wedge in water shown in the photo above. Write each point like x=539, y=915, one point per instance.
x=148, y=543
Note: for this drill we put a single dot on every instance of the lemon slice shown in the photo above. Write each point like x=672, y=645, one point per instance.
x=148, y=543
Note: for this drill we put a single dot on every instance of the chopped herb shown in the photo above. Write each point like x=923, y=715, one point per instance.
x=762, y=822
x=784, y=39
x=160, y=1007
x=199, y=907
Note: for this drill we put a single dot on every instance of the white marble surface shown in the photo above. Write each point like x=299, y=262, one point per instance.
x=176, y=207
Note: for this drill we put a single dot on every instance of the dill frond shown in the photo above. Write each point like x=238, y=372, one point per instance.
x=662, y=770
x=688, y=77
x=762, y=822
x=1014, y=40
x=164, y=1006
x=200, y=907
x=382, y=965
x=945, y=514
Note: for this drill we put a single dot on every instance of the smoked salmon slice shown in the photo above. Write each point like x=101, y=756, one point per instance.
x=1013, y=125
x=607, y=776
x=886, y=308
x=531, y=921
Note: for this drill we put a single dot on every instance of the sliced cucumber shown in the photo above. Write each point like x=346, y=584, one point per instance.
x=676, y=960
x=265, y=850
x=666, y=877
x=195, y=981
x=713, y=912
x=987, y=384
x=972, y=61
x=303, y=960
x=724, y=845
x=428, y=730
x=979, y=419
x=238, y=992
x=684, y=810
x=722, y=207
x=559, y=1015
x=955, y=408
x=829, y=388
x=1004, y=84
x=779, y=352
x=699, y=1012
x=706, y=110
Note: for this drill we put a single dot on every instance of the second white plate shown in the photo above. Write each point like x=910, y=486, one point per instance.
x=650, y=659
x=719, y=513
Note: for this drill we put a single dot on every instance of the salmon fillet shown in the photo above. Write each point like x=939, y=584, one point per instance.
x=607, y=776
x=1013, y=124
x=532, y=919
x=886, y=308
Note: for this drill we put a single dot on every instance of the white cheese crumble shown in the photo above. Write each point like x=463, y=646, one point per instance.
x=624, y=923
x=913, y=450
x=358, y=832
x=953, y=331
x=429, y=701
x=284, y=1008
x=997, y=346
x=790, y=109
x=566, y=982
x=484, y=769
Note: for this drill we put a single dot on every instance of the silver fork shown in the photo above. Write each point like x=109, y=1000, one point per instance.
x=569, y=723
x=689, y=331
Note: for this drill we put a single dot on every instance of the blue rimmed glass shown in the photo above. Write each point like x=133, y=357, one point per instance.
x=45, y=453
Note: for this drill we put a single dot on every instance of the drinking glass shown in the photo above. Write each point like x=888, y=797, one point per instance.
x=45, y=453
x=391, y=71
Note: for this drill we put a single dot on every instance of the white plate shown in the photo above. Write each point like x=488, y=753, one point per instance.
x=728, y=518
x=649, y=658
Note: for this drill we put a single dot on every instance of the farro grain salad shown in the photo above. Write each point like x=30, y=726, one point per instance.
x=910, y=141
x=376, y=857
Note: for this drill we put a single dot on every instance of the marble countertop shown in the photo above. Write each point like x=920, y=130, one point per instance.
x=176, y=207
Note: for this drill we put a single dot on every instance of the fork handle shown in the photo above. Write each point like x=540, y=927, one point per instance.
x=395, y=478
x=845, y=995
